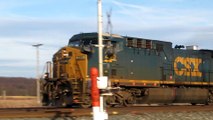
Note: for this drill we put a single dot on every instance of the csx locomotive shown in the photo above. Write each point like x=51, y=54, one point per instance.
x=146, y=71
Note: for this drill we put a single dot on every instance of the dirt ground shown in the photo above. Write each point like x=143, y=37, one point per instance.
x=18, y=101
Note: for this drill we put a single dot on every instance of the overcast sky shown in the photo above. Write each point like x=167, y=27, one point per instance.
x=52, y=22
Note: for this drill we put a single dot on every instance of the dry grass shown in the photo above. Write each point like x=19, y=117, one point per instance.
x=18, y=101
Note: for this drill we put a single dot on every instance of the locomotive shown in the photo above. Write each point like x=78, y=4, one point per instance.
x=146, y=71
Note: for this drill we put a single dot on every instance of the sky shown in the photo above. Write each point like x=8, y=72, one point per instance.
x=53, y=22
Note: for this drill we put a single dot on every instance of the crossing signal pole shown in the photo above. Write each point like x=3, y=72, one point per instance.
x=37, y=72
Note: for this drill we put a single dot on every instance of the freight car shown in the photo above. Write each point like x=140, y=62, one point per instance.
x=146, y=71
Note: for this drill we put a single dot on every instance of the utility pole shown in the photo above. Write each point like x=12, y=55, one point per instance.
x=37, y=72
x=100, y=39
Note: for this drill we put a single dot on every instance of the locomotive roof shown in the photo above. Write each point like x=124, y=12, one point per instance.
x=207, y=50
x=93, y=35
x=156, y=41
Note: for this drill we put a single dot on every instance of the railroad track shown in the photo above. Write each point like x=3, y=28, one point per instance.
x=35, y=112
x=52, y=112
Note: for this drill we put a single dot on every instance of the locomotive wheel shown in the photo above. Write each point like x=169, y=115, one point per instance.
x=129, y=101
x=110, y=101
x=45, y=99
x=114, y=101
x=63, y=97
x=48, y=95
x=86, y=102
x=63, y=101
x=59, y=102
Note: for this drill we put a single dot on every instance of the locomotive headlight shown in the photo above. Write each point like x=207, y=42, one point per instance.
x=64, y=53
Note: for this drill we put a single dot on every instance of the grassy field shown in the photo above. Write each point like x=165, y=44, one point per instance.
x=18, y=101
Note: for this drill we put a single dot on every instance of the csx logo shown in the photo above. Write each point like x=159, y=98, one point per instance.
x=187, y=66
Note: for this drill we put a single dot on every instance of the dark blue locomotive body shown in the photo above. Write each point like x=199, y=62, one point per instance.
x=144, y=61
x=147, y=71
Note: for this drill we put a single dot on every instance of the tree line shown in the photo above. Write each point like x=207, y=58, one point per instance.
x=17, y=86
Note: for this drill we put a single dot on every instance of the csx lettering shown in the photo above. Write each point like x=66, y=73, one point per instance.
x=187, y=66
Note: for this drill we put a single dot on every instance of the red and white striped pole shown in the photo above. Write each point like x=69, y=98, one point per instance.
x=95, y=94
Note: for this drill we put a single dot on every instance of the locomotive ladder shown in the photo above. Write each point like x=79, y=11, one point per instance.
x=77, y=84
x=76, y=90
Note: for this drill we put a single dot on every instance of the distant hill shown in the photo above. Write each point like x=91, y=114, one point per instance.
x=17, y=86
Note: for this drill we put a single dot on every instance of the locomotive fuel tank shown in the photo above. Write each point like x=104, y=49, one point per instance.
x=175, y=95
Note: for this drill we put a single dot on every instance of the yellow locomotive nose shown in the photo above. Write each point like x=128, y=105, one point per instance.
x=69, y=78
